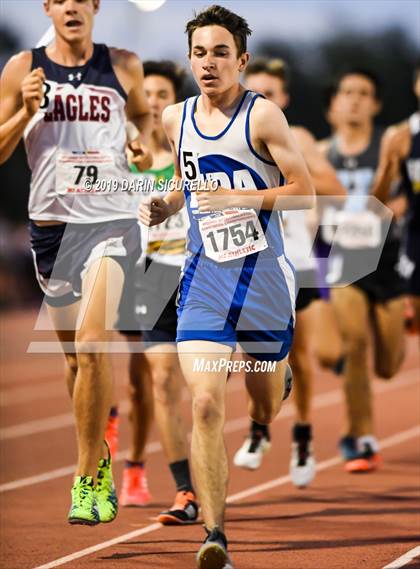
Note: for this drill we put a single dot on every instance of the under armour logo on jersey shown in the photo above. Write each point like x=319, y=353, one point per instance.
x=72, y=77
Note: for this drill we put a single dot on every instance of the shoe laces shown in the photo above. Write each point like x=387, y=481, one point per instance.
x=83, y=492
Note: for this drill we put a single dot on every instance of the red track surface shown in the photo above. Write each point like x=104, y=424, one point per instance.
x=342, y=521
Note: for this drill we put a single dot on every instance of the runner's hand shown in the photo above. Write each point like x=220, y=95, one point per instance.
x=153, y=210
x=214, y=200
x=141, y=156
x=32, y=90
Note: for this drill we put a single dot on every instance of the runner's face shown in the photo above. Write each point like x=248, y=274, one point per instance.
x=355, y=100
x=214, y=60
x=72, y=19
x=271, y=87
x=160, y=93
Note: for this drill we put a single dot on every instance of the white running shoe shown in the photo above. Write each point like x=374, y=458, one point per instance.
x=302, y=464
x=251, y=453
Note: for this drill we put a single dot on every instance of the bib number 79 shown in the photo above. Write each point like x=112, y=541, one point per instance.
x=91, y=172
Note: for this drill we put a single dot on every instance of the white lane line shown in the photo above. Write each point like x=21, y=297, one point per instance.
x=393, y=440
x=320, y=401
x=67, y=419
x=404, y=559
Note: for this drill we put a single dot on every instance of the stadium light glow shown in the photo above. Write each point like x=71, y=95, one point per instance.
x=148, y=5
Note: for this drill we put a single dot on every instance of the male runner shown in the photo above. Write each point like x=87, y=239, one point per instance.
x=237, y=284
x=69, y=101
x=164, y=257
x=400, y=151
x=270, y=78
x=373, y=304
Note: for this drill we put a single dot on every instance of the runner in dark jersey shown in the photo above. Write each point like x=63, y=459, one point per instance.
x=372, y=304
x=70, y=101
x=400, y=153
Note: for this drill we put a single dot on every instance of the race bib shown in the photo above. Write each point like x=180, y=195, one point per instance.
x=352, y=230
x=232, y=234
x=78, y=172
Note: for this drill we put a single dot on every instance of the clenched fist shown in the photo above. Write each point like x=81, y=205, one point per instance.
x=153, y=210
x=32, y=90
x=141, y=156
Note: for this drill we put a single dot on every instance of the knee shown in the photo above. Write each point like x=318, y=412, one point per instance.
x=165, y=385
x=356, y=345
x=386, y=368
x=91, y=342
x=264, y=413
x=71, y=360
x=207, y=410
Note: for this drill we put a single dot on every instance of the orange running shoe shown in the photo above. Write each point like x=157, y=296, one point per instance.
x=366, y=459
x=184, y=511
x=111, y=434
x=134, y=491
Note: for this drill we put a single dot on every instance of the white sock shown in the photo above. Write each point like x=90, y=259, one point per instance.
x=370, y=440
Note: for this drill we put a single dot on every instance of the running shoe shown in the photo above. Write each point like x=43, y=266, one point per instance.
x=184, y=511
x=106, y=496
x=252, y=452
x=348, y=447
x=213, y=553
x=134, y=491
x=302, y=463
x=111, y=434
x=83, y=509
x=367, y=458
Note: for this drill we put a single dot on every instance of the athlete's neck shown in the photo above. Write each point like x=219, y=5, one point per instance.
x=222, y=101
x=353, y=139
x=70, y=55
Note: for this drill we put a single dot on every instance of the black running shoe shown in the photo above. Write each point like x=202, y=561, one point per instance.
x=213, y=553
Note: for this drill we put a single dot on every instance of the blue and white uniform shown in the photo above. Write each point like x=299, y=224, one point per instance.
x=237, y=284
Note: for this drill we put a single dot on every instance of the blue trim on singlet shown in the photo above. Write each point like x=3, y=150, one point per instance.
x=97, y=71
x=184, y=114
x=224, y=131
x=248, y=135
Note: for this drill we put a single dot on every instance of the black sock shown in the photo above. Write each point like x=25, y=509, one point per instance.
x=132, y=464
x=302, y=432
x=181, y=474
x=256, y=427
x=113, y=411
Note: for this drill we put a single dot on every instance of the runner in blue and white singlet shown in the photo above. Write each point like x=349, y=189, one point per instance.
x=237, y=284
x=229, y=245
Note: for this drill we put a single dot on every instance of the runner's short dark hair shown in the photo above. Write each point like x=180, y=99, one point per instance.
x=169, y=70
x=219, y=16
x=274, y=67
x=367, y=73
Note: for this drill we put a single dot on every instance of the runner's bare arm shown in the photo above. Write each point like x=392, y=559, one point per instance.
x=20, y=98
x=155, y=210
x=394, y=147
x=271, y=136
x=323, y=174
x=129, y=71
